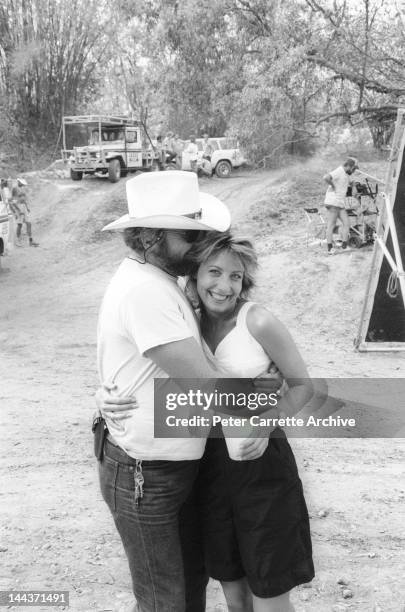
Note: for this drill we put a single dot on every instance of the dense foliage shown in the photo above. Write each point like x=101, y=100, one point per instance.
x=273, y=72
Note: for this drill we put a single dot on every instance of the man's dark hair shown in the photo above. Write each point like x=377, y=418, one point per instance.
x=133, y=238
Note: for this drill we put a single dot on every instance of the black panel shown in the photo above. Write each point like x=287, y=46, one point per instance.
x=387, y=321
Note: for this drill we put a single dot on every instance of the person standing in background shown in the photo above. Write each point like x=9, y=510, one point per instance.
x=338, y=181
x=178, y=147
x=168, y=148
x=207, y=148
x=21, y=210
x=192, y=150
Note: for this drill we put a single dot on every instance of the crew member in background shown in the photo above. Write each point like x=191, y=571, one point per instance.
x=178, y=147
x=168, y=148
x=21, y=210
x=207, y=148
x=192, y=150
x=160, y=153
x=5, y=191
x=338, y=181
x=3, y=198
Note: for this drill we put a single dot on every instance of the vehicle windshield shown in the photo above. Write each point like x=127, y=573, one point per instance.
x=94, y=137
x=212, y=141
x=85, y=134
x=110, y=134
x=224, y=142
x=228, y=143
x=107, y=135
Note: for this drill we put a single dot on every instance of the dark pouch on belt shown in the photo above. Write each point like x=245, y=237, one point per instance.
x=100, y=431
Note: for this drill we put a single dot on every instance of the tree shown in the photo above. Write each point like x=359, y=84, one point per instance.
x=49, y=52
x=272, y=72
x=361, y=46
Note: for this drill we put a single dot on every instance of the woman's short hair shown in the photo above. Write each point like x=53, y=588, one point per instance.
x=216, y=242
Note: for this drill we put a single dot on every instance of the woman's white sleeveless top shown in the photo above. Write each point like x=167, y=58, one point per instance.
x=239, y=352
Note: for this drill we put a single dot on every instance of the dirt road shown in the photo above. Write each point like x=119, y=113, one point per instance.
x=56, y=531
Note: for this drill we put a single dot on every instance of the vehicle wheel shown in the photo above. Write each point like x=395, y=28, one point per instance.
x=223, y=169
x=114, y=171
x=355, y=242
x=75, y=175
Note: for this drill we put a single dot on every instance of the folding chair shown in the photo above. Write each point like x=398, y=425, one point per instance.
x=316, y=226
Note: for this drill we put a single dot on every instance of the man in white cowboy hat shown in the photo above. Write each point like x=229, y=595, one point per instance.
x=147, y=329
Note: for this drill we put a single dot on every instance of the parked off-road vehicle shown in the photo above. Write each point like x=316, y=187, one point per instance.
x=106, y=144
x=225, y=156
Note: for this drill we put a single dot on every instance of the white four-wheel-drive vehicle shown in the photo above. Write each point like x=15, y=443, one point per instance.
x=225, y=157
x=106, y=144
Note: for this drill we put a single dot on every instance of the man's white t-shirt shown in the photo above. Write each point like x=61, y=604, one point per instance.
x=143, y=307
x=192, y=150
x=341, y=180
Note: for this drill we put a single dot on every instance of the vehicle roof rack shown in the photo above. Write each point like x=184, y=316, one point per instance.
x=105, y=119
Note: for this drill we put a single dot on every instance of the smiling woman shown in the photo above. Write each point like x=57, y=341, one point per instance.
x=239, y=248
x=224, y=277
x=254, y=518
x=219, y=281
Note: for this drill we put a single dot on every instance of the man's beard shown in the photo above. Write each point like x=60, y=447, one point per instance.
x=176, y=265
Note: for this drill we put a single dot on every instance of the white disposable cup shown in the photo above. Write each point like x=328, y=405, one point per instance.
x=234, y=446
x=233, y=441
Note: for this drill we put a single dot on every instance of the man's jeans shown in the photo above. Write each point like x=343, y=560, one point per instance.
x=146, y=515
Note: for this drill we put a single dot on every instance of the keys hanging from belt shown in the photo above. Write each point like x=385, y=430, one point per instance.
x=139, y=480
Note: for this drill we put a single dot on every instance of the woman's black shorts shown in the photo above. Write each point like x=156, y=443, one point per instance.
x=254, y=518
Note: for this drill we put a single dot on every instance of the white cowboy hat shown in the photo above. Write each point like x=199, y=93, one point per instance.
x=171, y=200
x=21, y=181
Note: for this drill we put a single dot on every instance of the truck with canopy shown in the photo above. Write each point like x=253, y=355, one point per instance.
x=108, y=144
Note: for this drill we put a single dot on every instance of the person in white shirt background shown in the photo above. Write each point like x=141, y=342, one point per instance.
x=338, y=181
x=192, y=150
